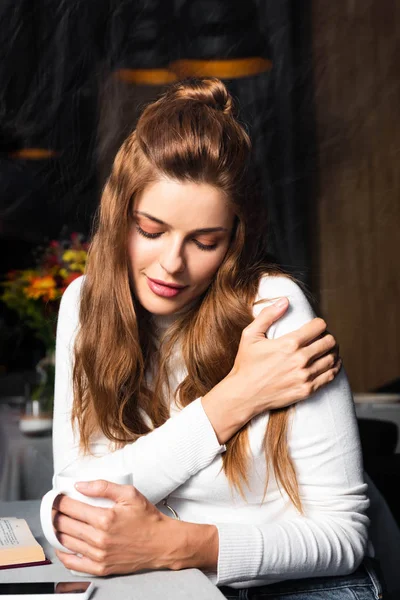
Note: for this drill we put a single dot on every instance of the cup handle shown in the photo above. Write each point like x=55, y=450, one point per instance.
x=47, y=521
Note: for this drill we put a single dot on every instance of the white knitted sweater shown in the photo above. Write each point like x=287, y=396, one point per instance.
x=259, y=541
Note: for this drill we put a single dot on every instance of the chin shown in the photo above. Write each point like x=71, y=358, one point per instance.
x=161, y=306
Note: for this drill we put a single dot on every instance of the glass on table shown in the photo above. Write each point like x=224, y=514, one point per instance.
x=35, y=419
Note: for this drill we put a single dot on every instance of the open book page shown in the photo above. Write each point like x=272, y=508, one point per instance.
x=17, y=544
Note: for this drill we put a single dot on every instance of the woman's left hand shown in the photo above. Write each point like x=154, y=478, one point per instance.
x=131, y=536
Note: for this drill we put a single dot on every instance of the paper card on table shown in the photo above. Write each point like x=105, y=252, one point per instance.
x=18, y=547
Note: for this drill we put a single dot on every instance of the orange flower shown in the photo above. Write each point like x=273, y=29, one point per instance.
x=42, y=287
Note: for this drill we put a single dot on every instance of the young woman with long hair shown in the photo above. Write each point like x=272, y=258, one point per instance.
x=187, y=358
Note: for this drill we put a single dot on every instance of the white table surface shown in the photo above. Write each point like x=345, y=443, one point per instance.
x=190, y=584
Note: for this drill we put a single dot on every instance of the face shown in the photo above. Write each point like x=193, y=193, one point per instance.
x=179, y=237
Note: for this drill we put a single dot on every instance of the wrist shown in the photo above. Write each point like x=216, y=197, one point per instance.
x=227, y=409
x=190, y=545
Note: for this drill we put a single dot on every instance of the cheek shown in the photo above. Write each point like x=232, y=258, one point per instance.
x=141, y=251
x=206, y=266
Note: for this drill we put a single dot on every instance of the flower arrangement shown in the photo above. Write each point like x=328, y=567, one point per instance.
x=35, y=294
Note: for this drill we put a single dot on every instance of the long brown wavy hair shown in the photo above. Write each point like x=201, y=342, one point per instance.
x=190, y=133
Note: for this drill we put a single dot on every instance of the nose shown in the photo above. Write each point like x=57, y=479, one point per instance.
x=172, y=259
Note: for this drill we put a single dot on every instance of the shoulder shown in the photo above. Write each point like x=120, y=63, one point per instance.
x=275, y=286
x=71, y=297
x=299, y=311
x=68, y=315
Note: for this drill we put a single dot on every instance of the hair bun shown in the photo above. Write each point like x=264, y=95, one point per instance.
x=207, y=90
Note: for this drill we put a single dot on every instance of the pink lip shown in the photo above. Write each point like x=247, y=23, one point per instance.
x=172, y=285
x=164, y=290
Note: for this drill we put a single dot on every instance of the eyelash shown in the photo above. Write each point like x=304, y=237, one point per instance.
x=154, y=236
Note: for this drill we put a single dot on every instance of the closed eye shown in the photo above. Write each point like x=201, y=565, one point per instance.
x=206, y=247
x=153, y=236
x=146, y=234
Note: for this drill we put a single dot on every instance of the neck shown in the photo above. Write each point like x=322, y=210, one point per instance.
x=162, y=322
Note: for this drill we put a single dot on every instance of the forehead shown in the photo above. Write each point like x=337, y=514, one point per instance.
x=185, y=205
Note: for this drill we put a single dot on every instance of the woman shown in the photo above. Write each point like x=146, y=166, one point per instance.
x=174, y=379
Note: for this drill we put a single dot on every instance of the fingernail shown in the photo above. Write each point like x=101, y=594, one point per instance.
x=82, y=485
x=280, y=302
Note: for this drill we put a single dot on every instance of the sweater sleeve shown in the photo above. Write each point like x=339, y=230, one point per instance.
x=160, y=461
x=330, y=538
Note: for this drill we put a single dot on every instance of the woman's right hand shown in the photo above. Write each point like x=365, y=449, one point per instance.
x=270, y=374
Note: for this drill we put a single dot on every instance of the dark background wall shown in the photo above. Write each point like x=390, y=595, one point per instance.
x=75, y=77
x=356, y=58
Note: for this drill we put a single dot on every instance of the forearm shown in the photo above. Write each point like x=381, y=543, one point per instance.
x=326, y=545
x=162, y=460
x=188, y=546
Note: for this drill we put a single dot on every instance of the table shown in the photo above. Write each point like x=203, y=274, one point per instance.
x=26, y=463
x=190, y=584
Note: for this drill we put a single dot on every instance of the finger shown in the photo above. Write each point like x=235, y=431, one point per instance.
x=82, y=564
x=324, y=345
x=80, y=547
x=324, y=364
x=105, y=489
x=307, y=333
x=267, y=317
x=76, y=529
x=326, y=377
x=336, y=348
x=79, y=511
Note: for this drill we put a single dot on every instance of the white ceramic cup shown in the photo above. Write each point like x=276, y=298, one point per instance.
x=64, y=483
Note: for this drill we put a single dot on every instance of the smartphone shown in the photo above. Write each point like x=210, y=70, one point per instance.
x=64, y=590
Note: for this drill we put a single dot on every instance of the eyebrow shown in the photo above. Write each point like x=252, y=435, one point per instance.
x=202, y=230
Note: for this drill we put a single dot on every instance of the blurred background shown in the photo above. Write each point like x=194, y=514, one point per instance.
x=318, y=87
